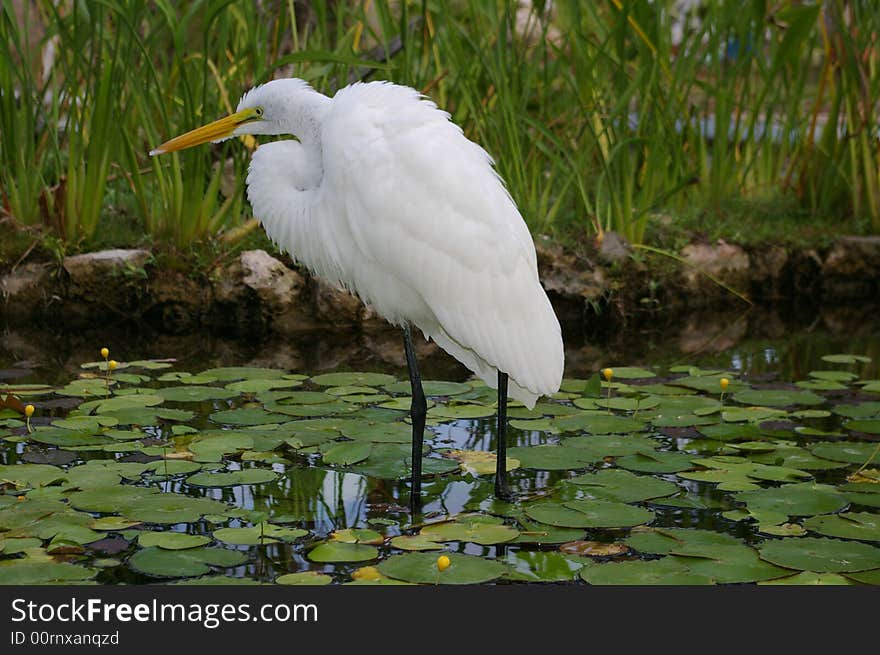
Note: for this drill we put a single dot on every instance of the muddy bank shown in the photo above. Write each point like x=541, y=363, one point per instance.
x=260, y=293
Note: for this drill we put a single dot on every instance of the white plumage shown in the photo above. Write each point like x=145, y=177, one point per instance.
x=383, y=195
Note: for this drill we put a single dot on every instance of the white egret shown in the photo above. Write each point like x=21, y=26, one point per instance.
x=380, y=193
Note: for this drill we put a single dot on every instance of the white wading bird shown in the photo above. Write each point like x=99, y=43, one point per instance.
x=382, y=194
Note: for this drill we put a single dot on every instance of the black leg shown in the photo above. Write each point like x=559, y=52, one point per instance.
x=417, y=411
x=502, y=491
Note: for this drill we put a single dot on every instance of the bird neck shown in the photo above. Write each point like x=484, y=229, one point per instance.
x=305, y=121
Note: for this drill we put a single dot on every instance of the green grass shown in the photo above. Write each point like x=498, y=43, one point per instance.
x=597, y=119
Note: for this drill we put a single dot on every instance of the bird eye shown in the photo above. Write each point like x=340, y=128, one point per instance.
x=259, y=111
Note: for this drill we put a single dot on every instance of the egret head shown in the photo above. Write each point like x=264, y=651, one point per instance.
x=286, y=106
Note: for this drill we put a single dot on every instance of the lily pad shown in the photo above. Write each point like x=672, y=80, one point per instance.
x=849, y=525
x=172, y=540
x=353, y=379
x=337, y=551
x=777, y=397
x=801, y=499
x=161, y=563
x=622, y=486
x=473, y=531
x=541, y=566
x=311, y=578
x=259, y=534
x=654, y=572
x=415, y=542
x=422, y=568
x=195, y=394
x=589, y=514
x=821, y=555
x=851, y=452
x=232, y=478
x=553, y=458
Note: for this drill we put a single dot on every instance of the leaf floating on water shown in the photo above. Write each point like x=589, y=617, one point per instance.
x=821, y=555
x=473, y=529
x=849, y=525
x=335, y=551
x=594, y=548
x=655, y=572
x=358, y=536
x=311, y=578
x=421, y=568
x=622, y=486
x=172, y=540
x=161, y=563
x=480, y=462
x=353, y=379
x=258, y=535
x=232, y=478
x=415, y=542
x=810, y=578
x=589, y=514
x=846, y=359
x=541, y=566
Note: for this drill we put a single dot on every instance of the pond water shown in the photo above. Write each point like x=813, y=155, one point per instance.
x=209, y=457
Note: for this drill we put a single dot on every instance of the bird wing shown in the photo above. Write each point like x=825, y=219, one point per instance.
x=425, y=212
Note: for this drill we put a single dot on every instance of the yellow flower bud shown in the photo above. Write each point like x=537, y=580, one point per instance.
x=112, y=364
x=724, y=384
x=105, y=352
x=28, y=410
x=443, y=563
x=608, y=373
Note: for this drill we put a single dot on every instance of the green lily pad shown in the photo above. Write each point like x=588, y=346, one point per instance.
x=810, y=578
x=821, y=555
x=256, y=535
x=777, y=397
x=473, y=531
x=622, y=486
x=415, y=542
x=172, y=540
x=432, y=388
x=800, y=499
x=598, y=423
x=232, y=478
x=541, y=566
x=310, y=578
x=353, y=379
x=30, y=475
x=461, y=411
x=230, y=373
x=247, y=416
x=726, y=564
x=611, y=445
x=655, y=462
x=654, y=572
x=346, y=452
x=553, y=458
x=195, y=394
x=851, y=452
x=588, y=514
x=849, y=525
x=422, y=568
x=337, y=551
x=161, y=563
x=257, y=385
x=662, y=541
x=870, y=426
x=846, y=359
x=33, y=571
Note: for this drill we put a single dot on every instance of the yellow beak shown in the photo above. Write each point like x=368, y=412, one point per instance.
x=220, y=129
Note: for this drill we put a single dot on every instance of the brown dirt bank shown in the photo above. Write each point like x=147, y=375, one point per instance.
x=259, y=293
